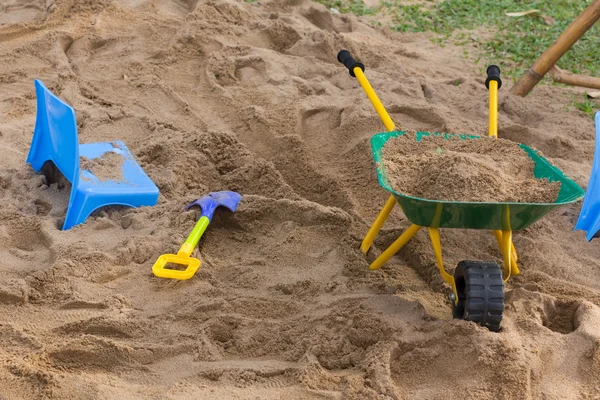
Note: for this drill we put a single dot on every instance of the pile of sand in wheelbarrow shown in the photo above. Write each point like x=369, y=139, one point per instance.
x=481, y=170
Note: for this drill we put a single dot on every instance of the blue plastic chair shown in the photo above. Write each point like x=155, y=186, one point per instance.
x=55, y=139
x=589, y=216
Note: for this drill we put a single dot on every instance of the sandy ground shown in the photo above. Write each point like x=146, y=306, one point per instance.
x=225, y=95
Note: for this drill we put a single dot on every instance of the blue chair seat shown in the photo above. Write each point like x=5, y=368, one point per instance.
x=55, y=139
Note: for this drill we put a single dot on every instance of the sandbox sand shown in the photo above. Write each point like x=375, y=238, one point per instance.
x=106, y=167
x=226, y=95
x=482, y=170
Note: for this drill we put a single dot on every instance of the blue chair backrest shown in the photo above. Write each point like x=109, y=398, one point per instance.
x=57, y=133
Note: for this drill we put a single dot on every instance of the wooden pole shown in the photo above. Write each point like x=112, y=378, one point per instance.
x=561, y=76
x=578, y=27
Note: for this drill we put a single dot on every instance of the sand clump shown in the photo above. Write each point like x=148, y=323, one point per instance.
x=481, y=170
x=105, y=168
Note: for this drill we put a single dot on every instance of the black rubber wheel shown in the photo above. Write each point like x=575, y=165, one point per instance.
x=480, y=290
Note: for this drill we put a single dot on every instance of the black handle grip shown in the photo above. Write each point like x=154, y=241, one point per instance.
x=493, y=74
x=349, y=62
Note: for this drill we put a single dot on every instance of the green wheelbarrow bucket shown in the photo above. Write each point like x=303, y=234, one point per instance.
x=476, y=215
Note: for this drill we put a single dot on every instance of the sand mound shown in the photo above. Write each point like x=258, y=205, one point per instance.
x=483, y=170
x=214, y=95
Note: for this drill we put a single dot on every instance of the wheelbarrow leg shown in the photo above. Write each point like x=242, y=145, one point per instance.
x=514, y=269
x=509, y=266
x=434, y=236
x=379, y=221
x=505, y=242
x=514, y=256
x=395, y=247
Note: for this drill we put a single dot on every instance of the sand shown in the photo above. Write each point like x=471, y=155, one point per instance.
x=226, y=95
x=107, y=167
x=482, y=170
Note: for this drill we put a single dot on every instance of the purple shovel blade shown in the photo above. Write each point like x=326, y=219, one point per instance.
x=209, y=203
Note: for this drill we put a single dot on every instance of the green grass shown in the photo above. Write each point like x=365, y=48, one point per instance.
x=586, y=105
x=514, y=43
x=356, y=7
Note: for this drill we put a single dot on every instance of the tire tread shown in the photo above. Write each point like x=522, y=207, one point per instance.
x=483, y=297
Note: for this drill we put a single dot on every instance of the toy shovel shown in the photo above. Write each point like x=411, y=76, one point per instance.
x=208, y=204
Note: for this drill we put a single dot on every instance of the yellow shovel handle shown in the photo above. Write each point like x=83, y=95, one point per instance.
x=183, y=255
x=194, y=237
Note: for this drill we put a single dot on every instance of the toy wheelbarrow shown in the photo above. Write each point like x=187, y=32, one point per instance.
x=478, y=287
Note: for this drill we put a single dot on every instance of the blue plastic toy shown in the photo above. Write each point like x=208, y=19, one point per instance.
x=589, y=217
x=55, y=139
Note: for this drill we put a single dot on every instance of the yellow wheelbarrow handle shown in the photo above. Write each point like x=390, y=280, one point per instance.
x=356, y=70
x=493, y=83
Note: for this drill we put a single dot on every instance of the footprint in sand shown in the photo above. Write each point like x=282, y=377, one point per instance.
x=561, y=336
x=316, y=126
x=13, y=339
x=181, y=6
x=319, y=16
x=305, y=177
x=105, y=326
x=516, y=133
x=251, y=71
x=280, y=36
x=26, y=240
x=520, y=112
x=13, y=291
x=170, y=7
x=91, y=354
x=418, y=118
x=23, y=11
x=43, y=207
